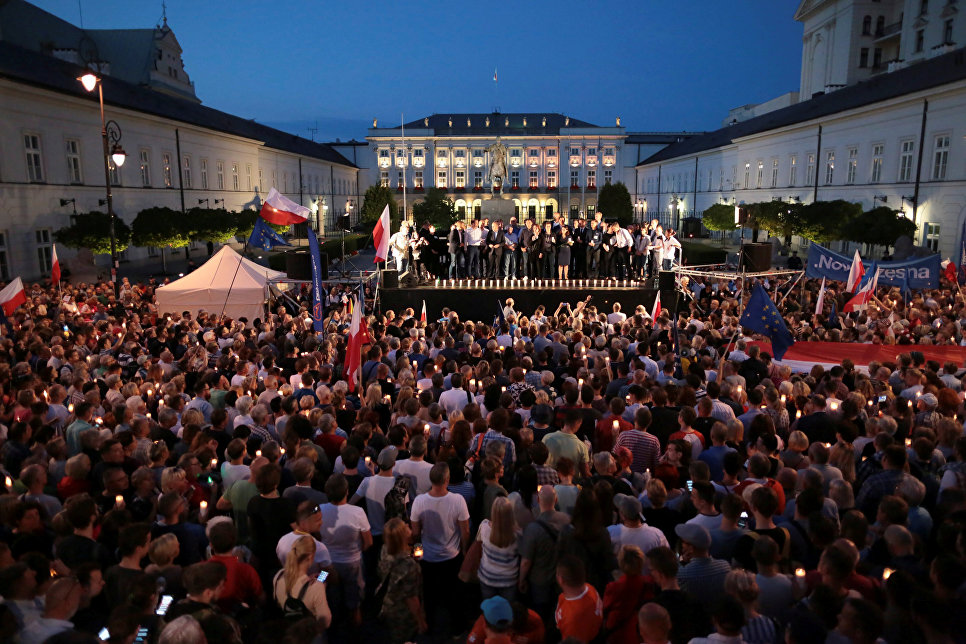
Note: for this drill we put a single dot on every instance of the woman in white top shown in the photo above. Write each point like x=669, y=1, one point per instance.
x=294, y=581
x=672, y=250
x=500, y=562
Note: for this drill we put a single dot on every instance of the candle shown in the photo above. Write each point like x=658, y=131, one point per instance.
x=798, y=414
x=616, y=425
x=502, y=388
x=800, y=573
x=426, y=429
x=418, y=551
x=8, y=482
x=150, y=392
x=70, y=408
x=258, y=453
x=203, y=511
x=886, y=573
x=283, y=451
x=46, y=397
x=783, y=399
x=739, y=389
x=834, y=406
x=908, y=442
x=414, y=364
x=99, y=420
x=472, y=382
x=119, y=501
x=368, y=461
x=385, y=399
x=580, y=382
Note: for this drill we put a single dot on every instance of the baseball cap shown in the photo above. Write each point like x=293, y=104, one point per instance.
x=929, y=400
x=697, y=535
x=627, y=505
x=497, y=611
x=386, y=458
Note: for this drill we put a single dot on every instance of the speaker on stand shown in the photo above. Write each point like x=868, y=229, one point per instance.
x=755, y=258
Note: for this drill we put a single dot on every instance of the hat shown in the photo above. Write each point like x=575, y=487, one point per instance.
x=697, y=535
x=627, y=505
x=541, y=414
x=497, y=611
x=387, y=458
x=929, y=400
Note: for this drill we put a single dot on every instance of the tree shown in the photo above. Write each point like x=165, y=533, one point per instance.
x=437, y=209
x=213, y=225
x=93, y=230
x=773, y=216
x=720, y=216
x=825, y=221
x=161, y=227
x=880, y=226
x=375, y=200
x=615, y=202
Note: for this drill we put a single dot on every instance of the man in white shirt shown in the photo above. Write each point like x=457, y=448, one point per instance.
x=308, y=522
x=457, y=398
x=399, y=246
x=617, y=316
x=632, y=531
x=62, y=600
x=415, y=467
x=345, y=532
x=474, y=237
x=702, y=496
x=374, y=489
x=441, y=521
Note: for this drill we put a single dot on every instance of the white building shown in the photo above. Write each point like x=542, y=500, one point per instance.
x=180, y=154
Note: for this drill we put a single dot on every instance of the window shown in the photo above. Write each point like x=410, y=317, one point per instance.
x=384, y=178
x=867, y=26
x=477, y=178
x=877, y=58
x=146, y=168
x=591, y=209
x=460, y=179
x=515, y=179
x=113, y=172
x=710, y=178
x=400, y=180
x=204, y=174
x=879, y=26
x=608, y=177
x=441, y=179
x=591, y=152
x=418, y=154
x=758, y=175
x=575, y=152
x=166, y=169
x=591, y=178
x=930, y=234
x=923, y=6
x=285, y=182
x=774, y=173
x=552, y=153
x=940, y=158
x=853, y=164
x=829, y=167
x=575, y=178
x=73, y=161
x=220, y=174
x=747, y=176
x=418, y=179
x=877, y=151
x=234, y=176
x=948, y=32
x=609, y=152
x=734, y=177
x=905, y=160
x=864, y=57
x=248, y=176
x=459, y=154
x=4, y=258
x=35, y=163
x=551, y=179
x=533, y=153
x=920, y=40
x=275, y=179
x=533, y=179
x=186, y=172
x=44, y=252
x=810, y=170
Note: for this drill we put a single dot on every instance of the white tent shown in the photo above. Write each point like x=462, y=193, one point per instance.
x=208, y=286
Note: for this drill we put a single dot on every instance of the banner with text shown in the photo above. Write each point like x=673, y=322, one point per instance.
x=922, y=272
x=318, y=310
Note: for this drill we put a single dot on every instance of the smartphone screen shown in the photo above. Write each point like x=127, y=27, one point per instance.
x=142, y=634
x=104, y=635
x=743, y=520
x=322, y=577
x=882, y=398
x=164, y=604
x=690, y=485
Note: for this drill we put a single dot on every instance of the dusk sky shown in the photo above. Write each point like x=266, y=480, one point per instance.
x=658, y=64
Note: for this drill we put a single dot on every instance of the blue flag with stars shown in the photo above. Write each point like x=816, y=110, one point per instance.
x=264, y=237
x=761, y=316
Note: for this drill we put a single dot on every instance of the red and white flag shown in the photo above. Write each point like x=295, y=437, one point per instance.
x=55, y=267
x=862, y=299
x=494, y=74
x=656, y=309
x=282, y=211
x=890, y=332
x=12, y=296
x=855, y=273
x=358, y=336
x=422, y=316
x=820, y=304
x=380, y=236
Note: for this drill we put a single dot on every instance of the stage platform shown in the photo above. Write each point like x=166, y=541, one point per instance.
x=476, y=299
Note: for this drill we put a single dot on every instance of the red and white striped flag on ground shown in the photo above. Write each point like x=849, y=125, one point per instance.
x=656, y=309
x=55, y=267
x=282, y=211
x=422, y=316
x=855, y=273
x=380, y=236
x=820, y=304
x=12, y=296
x=358, y=336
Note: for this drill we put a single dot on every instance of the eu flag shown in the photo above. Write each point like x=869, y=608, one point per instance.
x=761, y=316
x=264, y=237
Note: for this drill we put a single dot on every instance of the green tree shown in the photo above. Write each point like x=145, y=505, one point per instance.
x=93, y=230
x=825, y=221
x=436, y=208
x=375, y=200
x=720, y=216
x=161, y=227
x=615, y=202
x=880, y=226
x=213, y=225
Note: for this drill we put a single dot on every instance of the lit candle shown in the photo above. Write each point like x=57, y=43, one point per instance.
x=739, y=389
x=800, y=573
x=46, y=396
x=119, y=501
x=616, y=425
x=258, y=453
x=798, y=414
x=99, y=420
x=203, y=512
x=282, y=451
x=8, y=482
x=368, y=461
x=908, y=442
x=886, y=573
x=414, y=364
x=472, y=382
x=150, y=392
x=580, y=382
x=834, y=406
x=214, y=462
x=418, y=551
x=426, y=429
x=70, y=408
x=783, y=399
x=503, y=389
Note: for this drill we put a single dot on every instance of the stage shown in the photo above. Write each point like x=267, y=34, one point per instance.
x=477, y=299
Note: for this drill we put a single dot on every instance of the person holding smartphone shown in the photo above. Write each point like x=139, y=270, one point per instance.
x=294, y=582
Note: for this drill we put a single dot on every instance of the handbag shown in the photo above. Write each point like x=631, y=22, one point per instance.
x=471, y=563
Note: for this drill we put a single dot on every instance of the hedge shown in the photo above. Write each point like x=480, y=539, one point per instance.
x=332, y=247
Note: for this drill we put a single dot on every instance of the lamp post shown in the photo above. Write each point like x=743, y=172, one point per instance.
x=206, y=202
x=877, y=198
x=111, y=138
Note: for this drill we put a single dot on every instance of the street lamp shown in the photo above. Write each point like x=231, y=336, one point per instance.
x=207, y=202
x=882, y=198
x=111, y=138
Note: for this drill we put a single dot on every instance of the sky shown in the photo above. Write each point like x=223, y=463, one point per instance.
x=661, y=65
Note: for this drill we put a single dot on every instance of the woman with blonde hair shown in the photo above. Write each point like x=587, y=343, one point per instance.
x=500, y=561
x=795, y=456
x=758, y=628
x=401, y=585
x=294, y=582
x=162, y=552
x=842, y=456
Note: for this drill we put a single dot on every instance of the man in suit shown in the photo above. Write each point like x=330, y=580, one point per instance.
x=495, y=240
x=511, y=243
x=593, y=237
x=455, y=246
x=656, y=247
x=607, y=252
x=580, y=249
x=526, y=245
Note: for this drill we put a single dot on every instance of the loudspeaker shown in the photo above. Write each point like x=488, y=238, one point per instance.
x=390, y=278
x=756, y=258
x=665, y=281
x=298, y=265
x=408, y=280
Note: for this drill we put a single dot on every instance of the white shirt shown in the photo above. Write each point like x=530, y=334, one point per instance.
x=616, y=317
x=645, y=537
x=439, y=518
x=418, y=470
x=342, y=526
x=709, y=522
x=454, y=400
x=284, y=547
x=374, y=490
x=474, y=236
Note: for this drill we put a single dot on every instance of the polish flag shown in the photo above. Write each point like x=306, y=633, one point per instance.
x=12, y=296
x=820, y=304
x=861, y=300
x=380, y=236
x=422, y=316
x=358, y=336
x=656, y=309
x=855, y=273
x=890, y=332
x=282, y=211
x=55, y=267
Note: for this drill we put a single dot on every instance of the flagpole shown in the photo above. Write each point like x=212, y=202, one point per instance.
x=402, y=129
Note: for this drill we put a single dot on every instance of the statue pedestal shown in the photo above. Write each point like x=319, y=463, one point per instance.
x=497, y=208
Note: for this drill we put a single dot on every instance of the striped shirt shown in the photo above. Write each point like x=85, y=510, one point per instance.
x=510, y=456
x=645, y=448
x=499, y=567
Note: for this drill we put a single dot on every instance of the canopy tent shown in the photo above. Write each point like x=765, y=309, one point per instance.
x=226, y=281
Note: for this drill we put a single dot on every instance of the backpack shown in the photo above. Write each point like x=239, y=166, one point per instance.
x=397, y=499
x=294, y=608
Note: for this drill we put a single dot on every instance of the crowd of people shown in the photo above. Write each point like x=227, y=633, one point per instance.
x=584, y=249
x=178, y=477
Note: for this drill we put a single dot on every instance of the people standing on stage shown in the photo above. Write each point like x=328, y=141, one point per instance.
x=546, y=249
x=656, y=247
x=623, y=243
x=594, y=237
x=494, y=244
x=474, y=238
x=672, y=250
x=456, y=245
x=511, y=243
x=525, y=248
x=607, y=252
x=565, y=242
x=422, y=249
x=641, y=241
x=399, y=247
x=579, y=254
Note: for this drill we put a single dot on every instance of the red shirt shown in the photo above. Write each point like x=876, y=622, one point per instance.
x=331, y=443
x=533, y=633
x=622, y=599
x=605, y=436
x=580, y=616
x=242, y=584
